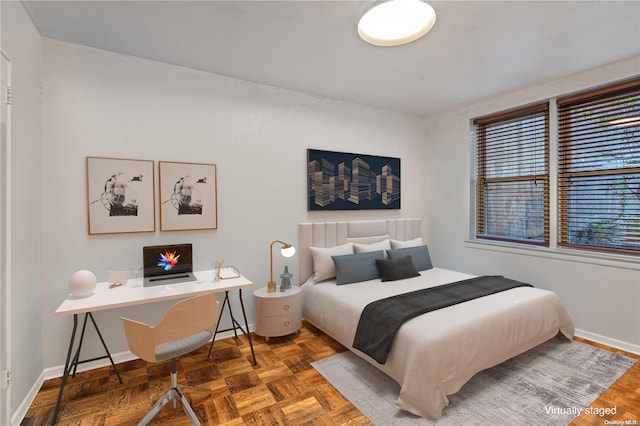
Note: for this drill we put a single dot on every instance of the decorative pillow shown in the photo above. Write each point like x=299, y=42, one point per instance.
x=353, y=268
x=419, y=256
x=323, y=266
x=396, y=269
x=398, y=244
x=383, y=245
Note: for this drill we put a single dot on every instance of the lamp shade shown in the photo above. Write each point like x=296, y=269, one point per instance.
x=82, y=283
x=396, y=22
x=288, y=251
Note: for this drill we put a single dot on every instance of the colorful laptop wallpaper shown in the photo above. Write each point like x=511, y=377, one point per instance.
x=167, y=260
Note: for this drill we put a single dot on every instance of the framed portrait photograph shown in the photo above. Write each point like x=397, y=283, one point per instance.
x=120, y=195
x=188, y=196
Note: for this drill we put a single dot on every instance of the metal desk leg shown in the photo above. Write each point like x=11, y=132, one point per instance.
x=76, y=357
x=72, y=364
x=213, y=339
x=246, y=324
x=104, y=345
x=235, y=324
x=65, y=374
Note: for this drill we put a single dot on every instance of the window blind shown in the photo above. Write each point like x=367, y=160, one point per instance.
x=512, y=176
x=599, y=169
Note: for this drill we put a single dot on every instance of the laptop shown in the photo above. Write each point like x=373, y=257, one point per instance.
x=167, y=264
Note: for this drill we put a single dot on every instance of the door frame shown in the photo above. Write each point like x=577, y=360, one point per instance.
x=5, y=240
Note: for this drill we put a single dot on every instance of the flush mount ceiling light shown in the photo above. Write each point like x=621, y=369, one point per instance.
x=396, y=22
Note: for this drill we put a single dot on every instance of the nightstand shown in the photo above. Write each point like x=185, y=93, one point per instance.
x=278, y=313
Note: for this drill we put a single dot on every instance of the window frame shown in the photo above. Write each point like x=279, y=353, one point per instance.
x=480, y=131
x=596, y=101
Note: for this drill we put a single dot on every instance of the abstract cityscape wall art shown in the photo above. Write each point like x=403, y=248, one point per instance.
x=120, y=195
x=346, y=181
x=188, y=196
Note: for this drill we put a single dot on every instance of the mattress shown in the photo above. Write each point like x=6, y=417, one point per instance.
x=435, y=354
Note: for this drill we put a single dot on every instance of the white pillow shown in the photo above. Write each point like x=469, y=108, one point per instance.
x=323, y=266
x=383, y=245
x=398, y=244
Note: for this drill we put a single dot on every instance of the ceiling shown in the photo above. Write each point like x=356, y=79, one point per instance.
x=476, y=50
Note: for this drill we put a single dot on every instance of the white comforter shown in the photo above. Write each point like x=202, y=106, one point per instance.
x=434, y=354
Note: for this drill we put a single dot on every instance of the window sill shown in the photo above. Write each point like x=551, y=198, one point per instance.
x=570, y=255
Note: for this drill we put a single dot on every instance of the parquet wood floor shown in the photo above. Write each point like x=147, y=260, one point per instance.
x=283, y=389
x=623, y=396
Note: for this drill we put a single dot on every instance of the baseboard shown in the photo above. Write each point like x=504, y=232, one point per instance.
x=57, y=371
x=21, y=411
x=614, y=343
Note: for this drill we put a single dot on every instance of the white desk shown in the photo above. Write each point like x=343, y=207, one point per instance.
x=118, y=297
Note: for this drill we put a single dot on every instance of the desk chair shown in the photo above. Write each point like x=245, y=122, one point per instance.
x=186, y=326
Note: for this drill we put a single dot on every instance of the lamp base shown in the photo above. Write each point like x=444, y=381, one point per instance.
x=271, y=287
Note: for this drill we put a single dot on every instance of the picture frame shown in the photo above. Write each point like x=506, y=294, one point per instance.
x=348, y=181
x=188, y=196
x=120, y=195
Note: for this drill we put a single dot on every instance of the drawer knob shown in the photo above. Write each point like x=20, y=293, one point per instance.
x=286, y=323
x=285, y=307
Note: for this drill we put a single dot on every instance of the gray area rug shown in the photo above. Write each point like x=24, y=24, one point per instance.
x=547, y=385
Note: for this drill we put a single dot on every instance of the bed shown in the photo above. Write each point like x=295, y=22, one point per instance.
x=435, y=354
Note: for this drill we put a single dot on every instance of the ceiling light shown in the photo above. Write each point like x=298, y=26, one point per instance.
x=396, y=22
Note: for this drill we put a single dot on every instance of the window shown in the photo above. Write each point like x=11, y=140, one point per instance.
x=599, y=169
x=512, y=181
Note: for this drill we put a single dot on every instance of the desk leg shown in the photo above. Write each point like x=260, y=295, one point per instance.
x=76, y=357
x=235, y=324
x=65, y=374
x=215, y=333
x=72, y=364
x=104, y=345
x=246, y=324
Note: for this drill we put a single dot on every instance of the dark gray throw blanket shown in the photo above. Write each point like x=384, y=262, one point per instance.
x=381, y=319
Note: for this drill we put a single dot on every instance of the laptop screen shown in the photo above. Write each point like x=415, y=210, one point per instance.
x=167, y=260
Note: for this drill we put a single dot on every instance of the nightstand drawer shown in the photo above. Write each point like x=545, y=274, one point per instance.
x=280, y=325
x=274, y=308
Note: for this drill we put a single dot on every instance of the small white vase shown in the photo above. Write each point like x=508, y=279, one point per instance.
x=82, y=283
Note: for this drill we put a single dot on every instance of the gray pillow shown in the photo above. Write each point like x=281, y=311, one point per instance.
x=396, y=269
x=419, y=256
x=353, y=268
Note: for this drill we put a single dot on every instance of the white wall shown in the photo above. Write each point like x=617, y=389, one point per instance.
x=96, y=103
x=603, y=299
x=22, y=44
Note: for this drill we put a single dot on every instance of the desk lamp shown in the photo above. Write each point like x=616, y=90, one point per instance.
x=287, y=250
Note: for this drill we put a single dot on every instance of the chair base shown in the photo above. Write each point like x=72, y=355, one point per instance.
x=172, y=394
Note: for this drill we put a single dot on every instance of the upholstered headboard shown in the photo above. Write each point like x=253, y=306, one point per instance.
x=330, y=234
